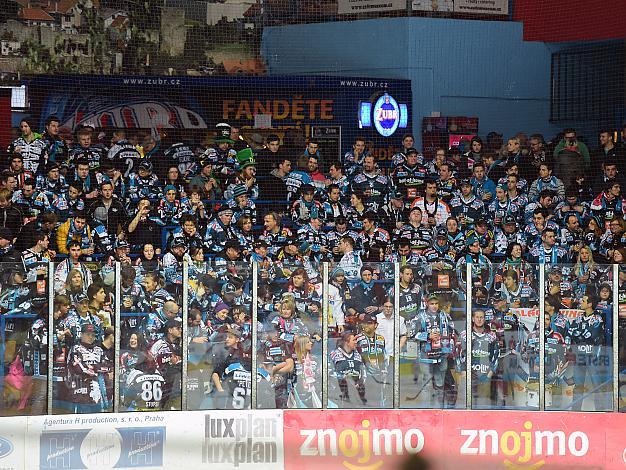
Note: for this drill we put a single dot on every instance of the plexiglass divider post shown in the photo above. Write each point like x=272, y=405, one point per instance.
x=118, y=336
x=325, y=315
x=396, y=335
x=468, y=336
x=615, y=333
x=51, y=335
x=542, y=336
x=185, y=344
x=255, y=332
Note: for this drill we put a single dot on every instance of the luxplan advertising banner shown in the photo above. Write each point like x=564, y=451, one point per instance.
x=237, y=439
x=383, y=439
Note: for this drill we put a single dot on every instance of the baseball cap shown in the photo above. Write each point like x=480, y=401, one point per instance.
x=80, y=298
x=224, y=209
x=433, y=297
x=411, y=150
x=87, y=328
x=178, y=241
x=121, y=244
x=368, y=318
x=145, y=165
x=509, y=219
x=228, y=288
x=465, y=182
x=442, y=233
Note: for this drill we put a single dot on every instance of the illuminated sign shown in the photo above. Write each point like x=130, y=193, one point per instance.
x=386, y=115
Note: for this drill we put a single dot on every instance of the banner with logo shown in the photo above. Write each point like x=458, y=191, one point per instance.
x=12, y=442
x=482, y=7
x=365, y=6
x=433, y=5
x=377, y=439
x=173, y=440
x=295, y=104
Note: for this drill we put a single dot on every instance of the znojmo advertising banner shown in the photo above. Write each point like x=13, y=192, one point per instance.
x=311, y=440
x=382, y=439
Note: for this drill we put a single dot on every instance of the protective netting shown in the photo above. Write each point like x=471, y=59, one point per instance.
x=355, y=158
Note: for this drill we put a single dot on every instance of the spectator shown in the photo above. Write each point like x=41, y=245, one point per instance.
x=570, y=156
x=547, y=181
x=109, y=210
x=76, y=229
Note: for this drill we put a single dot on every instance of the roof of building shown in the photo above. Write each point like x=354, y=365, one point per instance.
x=248, y=67
x=61, y=6
x=34, y=14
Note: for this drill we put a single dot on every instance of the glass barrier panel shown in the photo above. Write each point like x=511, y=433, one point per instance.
x=505, y=343
x=84, y=337
x=432, y=303
x=151, y=342
x=24, y=339
x=579, y=305
x=361, y=335
x=219, y=334
x=621, y=325
x=289, y=345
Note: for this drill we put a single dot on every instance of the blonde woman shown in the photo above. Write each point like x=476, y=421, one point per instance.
x=304, y=393
x=586, y=271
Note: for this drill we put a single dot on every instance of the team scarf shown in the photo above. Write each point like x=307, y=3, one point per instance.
x=73, y=234
x=542, y=255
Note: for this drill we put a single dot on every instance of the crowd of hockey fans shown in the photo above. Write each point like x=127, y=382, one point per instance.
x=122, y=212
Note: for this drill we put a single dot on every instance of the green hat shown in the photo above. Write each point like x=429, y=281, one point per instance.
x=245, y=158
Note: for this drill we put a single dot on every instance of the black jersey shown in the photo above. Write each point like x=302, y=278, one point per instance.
x=143, y=390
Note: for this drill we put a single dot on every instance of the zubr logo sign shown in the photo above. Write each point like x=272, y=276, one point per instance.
x=387, y=115
x=6, y=447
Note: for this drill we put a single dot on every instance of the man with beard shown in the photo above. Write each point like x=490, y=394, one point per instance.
x=410, y=176
x=371, y=183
